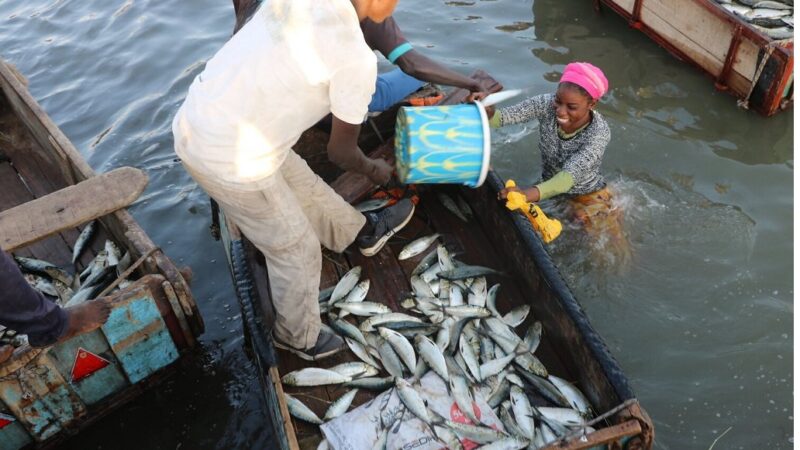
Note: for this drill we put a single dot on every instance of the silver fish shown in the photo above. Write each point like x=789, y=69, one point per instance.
x=517, y=315
x=421, y=288
x=499, y=394
x=391, y=362
x=465, y=311
x=380, y=319
x=451, y=206
x=491, y=300
x=533, y=336
x=564, y=416
x=371, y=384
x=417, y=246
x=430, y=274
x=361, y=352
x=114, y=253
x=313, y=376
x=508, y=421
x=346, y=284
x=470, y=358
x=495, y=366
x=769, y=4
x=573, y=395
x=401, y=345
x=463, y=272
x=464, y=207
x=345, y=328
x=463, y=397
x=412, y=400
x=545, y=388
x=355, y=369
x=372, y=205
x=443, y=336
x=341, y=405
x=43, y=267
x=300, y=411
x=364, y=308
x=425, y=263
x=358, y=293
x=432, y=355
x=446, y=261
x=522, y=411
x=478, y=293
x=83, y=239
x=325, y=294
x=448, y=438
x=475, y=433
x=41, y=284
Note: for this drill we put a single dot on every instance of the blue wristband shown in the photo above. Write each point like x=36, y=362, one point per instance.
x=399, y=51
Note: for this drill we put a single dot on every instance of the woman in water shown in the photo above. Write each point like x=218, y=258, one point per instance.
x=573, y=137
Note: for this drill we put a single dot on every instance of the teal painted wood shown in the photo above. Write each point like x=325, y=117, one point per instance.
x=98, y=385
x=40, y=399
x=13, y=437
x=139, y=337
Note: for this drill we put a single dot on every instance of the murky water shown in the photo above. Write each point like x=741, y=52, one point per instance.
x=701, y=320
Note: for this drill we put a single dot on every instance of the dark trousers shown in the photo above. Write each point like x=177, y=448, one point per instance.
x=25, y=310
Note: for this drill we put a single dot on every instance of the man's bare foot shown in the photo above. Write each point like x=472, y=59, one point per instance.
x=86, y=317
x=5, y=352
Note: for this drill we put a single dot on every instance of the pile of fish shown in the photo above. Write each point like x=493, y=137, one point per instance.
x=454, y=329
x=69, y=290
x=775, y=18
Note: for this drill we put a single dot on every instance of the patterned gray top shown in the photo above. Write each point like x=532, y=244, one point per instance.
x=580, y=155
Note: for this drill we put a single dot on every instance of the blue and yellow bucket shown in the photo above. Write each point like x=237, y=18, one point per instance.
x=442, y=144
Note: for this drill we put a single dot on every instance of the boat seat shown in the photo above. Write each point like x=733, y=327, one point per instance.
x=70, y=207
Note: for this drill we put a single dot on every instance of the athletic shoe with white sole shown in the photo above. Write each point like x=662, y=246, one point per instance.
x=385, y=224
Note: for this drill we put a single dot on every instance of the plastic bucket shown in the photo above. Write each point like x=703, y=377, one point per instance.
x=442, y=144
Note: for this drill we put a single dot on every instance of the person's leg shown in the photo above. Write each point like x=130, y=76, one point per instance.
x=336, y=223
x=391, y=88
x=273, y=220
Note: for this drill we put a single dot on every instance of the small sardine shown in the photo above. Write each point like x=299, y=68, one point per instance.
x=466, y=351
x=391, y=362
x=463, y=397
x=464, y=272
x=400, y=345
x=346, y=284
x=361, y=351
x=417, y=246
x=432, y=355
x=517, y=315
x=300, y=411
x=412, y=400
x=341, y=405
x=345, y=328
x=83, y=239
x=425, y=263
x=522, y=411
x=313, y=376
x=382, y=319
x=371, y=384
x=355, y=369
x=364, y=308
x=573, y=395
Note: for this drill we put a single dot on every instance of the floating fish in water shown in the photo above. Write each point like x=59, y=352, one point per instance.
x=83, y=239
x=372, y=205
x=417, y=246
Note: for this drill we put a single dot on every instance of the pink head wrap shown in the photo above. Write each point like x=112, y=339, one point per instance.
x=586, y=76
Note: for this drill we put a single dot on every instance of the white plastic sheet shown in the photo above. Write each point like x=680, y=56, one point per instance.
x=361, y=427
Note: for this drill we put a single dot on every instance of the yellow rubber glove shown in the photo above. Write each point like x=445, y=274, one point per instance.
x=548, y=228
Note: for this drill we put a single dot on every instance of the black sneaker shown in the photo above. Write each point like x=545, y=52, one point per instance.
x=327, y=344
x=384, y=225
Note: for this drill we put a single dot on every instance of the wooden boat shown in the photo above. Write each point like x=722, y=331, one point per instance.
x=741, y=59
x=495, y=238
x=47, y=395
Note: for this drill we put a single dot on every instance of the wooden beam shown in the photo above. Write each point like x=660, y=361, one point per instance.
x=599, y=437
x=70, y=207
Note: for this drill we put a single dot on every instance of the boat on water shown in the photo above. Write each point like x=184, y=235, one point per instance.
x=49, y=394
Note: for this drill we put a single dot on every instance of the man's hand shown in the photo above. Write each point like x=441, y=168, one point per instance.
x=478, y=96
x=381, y=171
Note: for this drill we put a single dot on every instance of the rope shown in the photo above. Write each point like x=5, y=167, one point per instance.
x=745, y=102
x=127, y=272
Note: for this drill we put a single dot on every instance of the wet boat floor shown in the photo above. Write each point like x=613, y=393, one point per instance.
x=389, y=281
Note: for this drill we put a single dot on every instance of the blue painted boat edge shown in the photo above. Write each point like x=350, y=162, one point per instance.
x=259, y=338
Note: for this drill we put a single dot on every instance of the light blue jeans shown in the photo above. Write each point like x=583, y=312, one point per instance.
x=390, y=88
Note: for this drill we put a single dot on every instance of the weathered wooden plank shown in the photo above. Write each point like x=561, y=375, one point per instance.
x=98, y=385
x=138, y=335
x=41, y=399
x=70, y=207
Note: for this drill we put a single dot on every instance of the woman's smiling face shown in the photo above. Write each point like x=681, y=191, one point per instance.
x=573, y=107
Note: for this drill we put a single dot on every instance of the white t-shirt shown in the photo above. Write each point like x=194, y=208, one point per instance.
x=293, y=63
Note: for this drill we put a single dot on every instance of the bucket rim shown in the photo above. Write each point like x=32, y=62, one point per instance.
x=487, y=143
